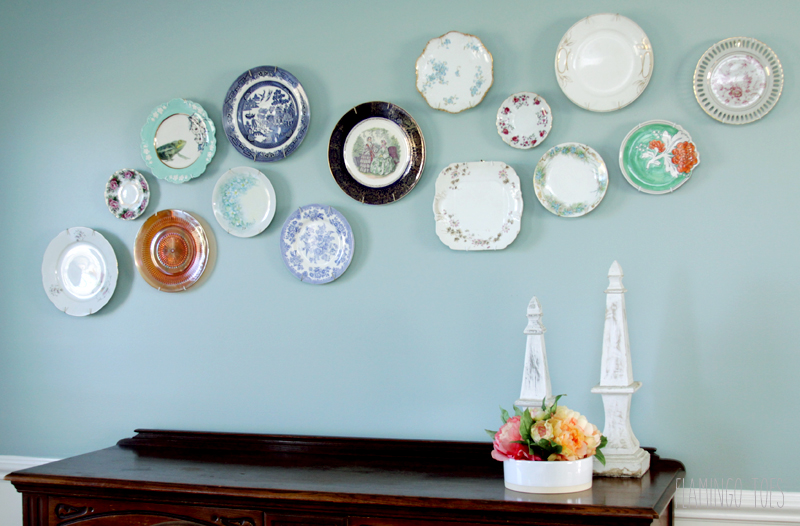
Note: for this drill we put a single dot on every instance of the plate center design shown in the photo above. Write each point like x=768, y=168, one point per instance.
x=267, y=114
x=738, y=81
x=376, y=152
x=180, y=140
x=173, y=252
x=82, y=271
x=319, y=244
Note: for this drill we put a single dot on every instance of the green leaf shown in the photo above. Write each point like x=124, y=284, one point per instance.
x=544, y=404
x=600, y=456
x=504, y=415
x=525, y=423
x=603, y=442
x=491, y=433
x=517, y=411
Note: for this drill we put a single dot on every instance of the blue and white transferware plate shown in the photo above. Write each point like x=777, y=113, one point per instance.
x=454, y=72
x=266, y=114
x=570, y=180
x=178, y=141
x=317, y=244
x=243, y=201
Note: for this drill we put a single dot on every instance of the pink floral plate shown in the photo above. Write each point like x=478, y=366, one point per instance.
x=524, y=120
x=127, y=194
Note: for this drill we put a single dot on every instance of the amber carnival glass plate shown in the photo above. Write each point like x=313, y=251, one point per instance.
x=171, y=250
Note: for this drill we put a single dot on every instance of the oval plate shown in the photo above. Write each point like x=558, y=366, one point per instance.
x=243, y=201
x=317, y=244
x=127, y=194
x=376, y=153
x=570, y=179
x=266, y=114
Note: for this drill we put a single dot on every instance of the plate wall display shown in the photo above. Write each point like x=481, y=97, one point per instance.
x=171, y=250
x=127, y=194
x=570, y=179
x=79, y=271
x=604, y=62
x=178, y=141
x=376, y=153
x=266, y=114
x=243, y=201
x=656, y=157
x=478, y=205
x=454, y=72
x=317, y=244
x=738, y=80
x=524, y=120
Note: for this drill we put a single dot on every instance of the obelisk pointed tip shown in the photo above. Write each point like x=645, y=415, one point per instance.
x=534, y=307
x=615, y=270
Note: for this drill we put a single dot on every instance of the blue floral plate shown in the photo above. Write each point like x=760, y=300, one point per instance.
x=317, y=244
x=266, y=114
x=243, y=201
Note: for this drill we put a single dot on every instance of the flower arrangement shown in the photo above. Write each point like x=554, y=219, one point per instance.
x=551, y=433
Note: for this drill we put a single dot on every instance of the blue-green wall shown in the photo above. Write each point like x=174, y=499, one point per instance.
x=415, y=340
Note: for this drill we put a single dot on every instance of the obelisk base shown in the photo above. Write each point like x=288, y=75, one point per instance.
x=623, y=464
x=524, y=403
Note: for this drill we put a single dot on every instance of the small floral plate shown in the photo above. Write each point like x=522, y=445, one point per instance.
x=243, y=201
x=524, y=120
x=454, y=72
x=317, y=244
x=477, y=206
x=127, y=194
x=570, y=179
x=657, y=157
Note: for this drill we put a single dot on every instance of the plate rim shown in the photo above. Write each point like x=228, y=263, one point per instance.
x=537, y=188
x=154, y=119
x=258, y=174
x=549, y=126
x=336, y=163
x=255, y=153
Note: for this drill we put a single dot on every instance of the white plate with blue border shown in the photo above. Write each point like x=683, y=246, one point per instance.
x=243, y=201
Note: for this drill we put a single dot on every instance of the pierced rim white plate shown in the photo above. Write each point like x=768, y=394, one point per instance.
x=127, y=194
x=604, y=62
x=738, y=80
x=570, y=179
x=243, y=201
x=317, y=244
x=524, y=120
x=79, y=271
x=454, y=72
x=478, y=206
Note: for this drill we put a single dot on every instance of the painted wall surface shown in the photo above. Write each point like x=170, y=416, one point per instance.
x=414, y=340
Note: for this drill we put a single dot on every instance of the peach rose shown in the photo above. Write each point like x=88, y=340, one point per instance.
x=569, y=435
x=541, y=430
x=504, y=446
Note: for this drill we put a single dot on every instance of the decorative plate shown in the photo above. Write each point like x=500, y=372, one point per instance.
x=570, y=179
x=604, y=62
x=477, y=206
x=524, y=120
x=657, y=157
x=79, y=271
x=317, y=244
x=376, y=153
x=738, y=80
x=454, y=72
x=178, y=141
x=243, y=201
x=171, y=250
x=127, y=194
x=266, y=114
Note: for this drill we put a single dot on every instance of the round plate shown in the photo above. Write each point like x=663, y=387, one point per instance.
x=243, y=201
x=524, y=120
x=570, y=179
x=604, y=62
x=454, y=72
x=178, y=141
x=171, y=250
x=376, y=153
x=317, y=244
x=266, y=114
x=738, y=80
x=127, y=194
x=657, y=157
x=79, y=271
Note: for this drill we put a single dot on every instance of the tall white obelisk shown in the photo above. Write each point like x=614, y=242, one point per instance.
x=624, y=457
x=536, y=376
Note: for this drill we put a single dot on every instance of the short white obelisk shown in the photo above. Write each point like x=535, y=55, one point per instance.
x=624, y=457
x=536, y=375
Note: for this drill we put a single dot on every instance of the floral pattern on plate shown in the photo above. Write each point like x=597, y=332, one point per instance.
x=524, y=120
x=657, y=157
x=478, y=206
x=454, y=72
x=738, y=80
x=243, y=201
x=317, y=244
x=570, y=179
x=127, y=194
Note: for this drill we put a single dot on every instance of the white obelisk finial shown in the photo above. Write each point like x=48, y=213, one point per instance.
x=536, y=375
x=624, y=457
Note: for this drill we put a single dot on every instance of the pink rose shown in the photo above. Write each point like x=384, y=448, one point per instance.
x=113, y=184
x=127, y=174
x=144, y=185
x=127, y=215
x=504, y=446
x=112, y=203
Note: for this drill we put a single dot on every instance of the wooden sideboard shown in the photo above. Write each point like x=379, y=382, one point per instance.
x=178, y=478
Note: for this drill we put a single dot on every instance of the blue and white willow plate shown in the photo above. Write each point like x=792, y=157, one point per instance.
x=317, y=244
x=266, y=114
x=243, y=201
